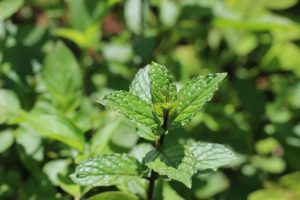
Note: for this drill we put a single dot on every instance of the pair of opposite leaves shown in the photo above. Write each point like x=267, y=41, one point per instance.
x=153, y=92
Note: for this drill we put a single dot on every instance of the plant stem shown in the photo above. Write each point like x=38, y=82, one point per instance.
x=158, y=145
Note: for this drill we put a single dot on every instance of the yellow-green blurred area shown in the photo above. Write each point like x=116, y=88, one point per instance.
x=57, y=57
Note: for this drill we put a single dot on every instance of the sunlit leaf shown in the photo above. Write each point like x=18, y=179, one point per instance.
x=211, y=156
x=106, y=170
x=177, y=163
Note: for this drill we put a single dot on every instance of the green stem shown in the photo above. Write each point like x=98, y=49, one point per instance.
x=158, y=145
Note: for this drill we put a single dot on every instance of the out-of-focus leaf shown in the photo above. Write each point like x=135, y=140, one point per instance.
x=101, y=138
x=53, y=168
x=106, y=170
x=6, y=140
x=169, y=193
x=270, y=164
x=135, y=186
x=9, y=105
x=117, y=52
x=62, y=75
x=58, y=128
x=30, y=141
x=194, y=95
x=279, y=4
x=211, y=156
x=113, y=196
x=267, y=146
x=125, y=136
x=140, y=151
x=177, y=163
x=169, y=12
x=132, y=107
x=66, y=184
x=9, y=7
x=133, y=15
x=214, y=183
x=140, y=86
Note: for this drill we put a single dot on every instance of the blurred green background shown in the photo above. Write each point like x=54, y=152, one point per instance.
x=57, y=57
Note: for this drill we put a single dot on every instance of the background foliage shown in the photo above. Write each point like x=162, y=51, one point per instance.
x=58, y=57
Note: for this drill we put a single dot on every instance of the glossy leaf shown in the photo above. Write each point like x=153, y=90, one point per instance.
x=140, y=86
x=211, y=156
x=132, y=107
x=176, y=162
x=194, y=95
x=107, y=170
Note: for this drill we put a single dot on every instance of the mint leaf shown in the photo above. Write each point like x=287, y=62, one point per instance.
x=194, y=95
x=107, y=170
x=132, y=107
x=177, y=163
x=56, y=127
x=146, y=132
x=211, y=156
x=162, y=87
x=9, y=7
x=113, y=196
x=135, y=186
x=140, y=86
x=62, y=76
x=9, y=105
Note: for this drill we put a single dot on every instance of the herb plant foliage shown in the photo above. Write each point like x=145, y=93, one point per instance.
x=156, y=108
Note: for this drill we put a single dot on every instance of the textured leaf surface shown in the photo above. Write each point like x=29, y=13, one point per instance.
x=132, y=107
x=211, y=156
x=140, y=86
x=113, y=196
x=162, y=87
x=177, y=163
x=107, y=170
x=194, y=95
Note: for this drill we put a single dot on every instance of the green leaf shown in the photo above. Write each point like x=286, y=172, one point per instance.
x=279, y=4
x=146, y=132
x=9, y=7
x=133, y=15
x=58, y=128
x=107, y=170
x=53, y=168
x=194, y=95
x=30, y=142
x=132, y=107
x=162, y=87
x=6, y=140
x=62, y=75
x=9, y=105
x=101, y=138
x=113, y=196
x=135, y=186
x=140, y=86
x=211, y=156
x=176, y=162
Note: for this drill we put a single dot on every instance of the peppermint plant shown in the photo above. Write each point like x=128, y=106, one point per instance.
x=156, y=107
